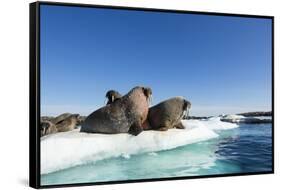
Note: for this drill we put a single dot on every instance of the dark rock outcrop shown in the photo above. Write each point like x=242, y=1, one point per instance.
x=242, y=119
x=247, y=120
x=196, y=117
x=256, y=114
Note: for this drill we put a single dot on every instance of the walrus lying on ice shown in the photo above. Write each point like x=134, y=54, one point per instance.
x=62, y=123
x=163, y=116
x=47, y=127
x=168, y=114
x=123, y=116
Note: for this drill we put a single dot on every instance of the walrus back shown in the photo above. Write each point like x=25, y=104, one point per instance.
x=168, y=111
x=108, y=120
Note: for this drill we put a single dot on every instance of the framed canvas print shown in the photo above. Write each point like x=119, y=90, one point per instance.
x=94, y=70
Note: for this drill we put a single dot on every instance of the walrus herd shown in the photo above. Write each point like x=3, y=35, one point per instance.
x=62, y=123
x=124, y=114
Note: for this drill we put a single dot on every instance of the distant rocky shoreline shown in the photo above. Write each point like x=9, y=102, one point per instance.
x=249, y=118
x=256, y=114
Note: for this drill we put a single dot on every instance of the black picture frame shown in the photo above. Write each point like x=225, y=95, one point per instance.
x=34, y=91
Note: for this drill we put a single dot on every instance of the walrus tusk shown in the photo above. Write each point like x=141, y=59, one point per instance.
x=44, y=130
x=150, y=99
x=112, y=99
x=183, y=114
x=186, y=113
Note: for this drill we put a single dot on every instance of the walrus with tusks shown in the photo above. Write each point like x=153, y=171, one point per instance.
x=112, y=95
x=123, y=116
x=168, y=114
x=165, y=115
x=47, y=128
x=62, y=123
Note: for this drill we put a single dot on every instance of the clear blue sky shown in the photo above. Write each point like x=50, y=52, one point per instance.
x=221, y=64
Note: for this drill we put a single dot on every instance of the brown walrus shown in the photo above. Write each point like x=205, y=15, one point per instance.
x=113, y=95
x=47, y=127
x=60, y=118
x=123, y=116
x=68, y=124
x=64, y=122
x=168, y=114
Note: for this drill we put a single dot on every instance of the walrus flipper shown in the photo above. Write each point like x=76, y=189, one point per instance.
x=180, y=126
x=164, y=128
x=135, y=129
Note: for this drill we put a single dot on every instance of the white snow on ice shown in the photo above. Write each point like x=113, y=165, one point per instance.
x=215, y=123
x=67, y=149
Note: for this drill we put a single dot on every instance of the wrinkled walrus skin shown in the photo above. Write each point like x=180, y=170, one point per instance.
x=174, y=108
x=68, y=124
x=168, y=114
x=123, y=116
x=113, y=95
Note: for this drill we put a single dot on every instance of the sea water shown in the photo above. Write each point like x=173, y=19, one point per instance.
x=231, y=149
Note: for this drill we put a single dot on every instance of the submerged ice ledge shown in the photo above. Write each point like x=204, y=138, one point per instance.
x=63, y=150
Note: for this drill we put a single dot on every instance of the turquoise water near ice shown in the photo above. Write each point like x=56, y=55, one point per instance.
x=247, y=148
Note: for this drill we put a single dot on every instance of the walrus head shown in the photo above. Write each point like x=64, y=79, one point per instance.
x=112, y=95
x=186, y=107
x=148, y=93
x=45, y=126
